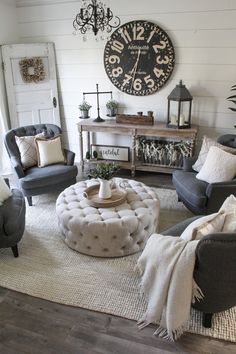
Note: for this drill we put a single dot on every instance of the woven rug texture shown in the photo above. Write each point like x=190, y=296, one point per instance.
x=48, y=269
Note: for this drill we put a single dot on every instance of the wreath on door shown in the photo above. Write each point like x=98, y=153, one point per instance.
x=32, y=69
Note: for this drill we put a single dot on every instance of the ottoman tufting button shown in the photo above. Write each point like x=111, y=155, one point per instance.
x=105, y=249
x=96, y=237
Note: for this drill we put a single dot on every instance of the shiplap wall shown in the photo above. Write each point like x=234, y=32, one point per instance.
x=204, y=36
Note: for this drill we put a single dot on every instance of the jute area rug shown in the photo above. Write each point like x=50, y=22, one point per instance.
x=48, y=269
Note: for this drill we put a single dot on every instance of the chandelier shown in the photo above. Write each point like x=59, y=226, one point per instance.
x=95, y=16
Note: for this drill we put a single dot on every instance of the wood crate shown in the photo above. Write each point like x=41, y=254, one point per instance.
x=134, y=119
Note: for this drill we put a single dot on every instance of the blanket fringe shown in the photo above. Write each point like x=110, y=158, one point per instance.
x=173, y=336
x=197, y=293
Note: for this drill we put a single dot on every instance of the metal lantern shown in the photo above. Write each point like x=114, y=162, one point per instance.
x=179, y=116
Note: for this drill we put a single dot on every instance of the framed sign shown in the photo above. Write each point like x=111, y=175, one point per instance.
x=109, y=152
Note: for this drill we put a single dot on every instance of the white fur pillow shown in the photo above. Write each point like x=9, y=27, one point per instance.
x=206, y=145
x=220, y=166
x=49, y=151
x=5, y=191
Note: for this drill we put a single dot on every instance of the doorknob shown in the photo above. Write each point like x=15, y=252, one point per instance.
x=54, y=101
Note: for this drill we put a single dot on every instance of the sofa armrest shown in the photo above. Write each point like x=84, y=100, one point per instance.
x=70, y=157
x=179, y=228
x=16, y=164
x=188, y=163
x=215, y=272
x=218, y=192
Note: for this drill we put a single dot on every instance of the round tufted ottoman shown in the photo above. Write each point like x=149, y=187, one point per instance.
x=108, y=232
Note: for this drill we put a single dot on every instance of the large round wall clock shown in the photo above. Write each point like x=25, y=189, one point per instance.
x=139, y=58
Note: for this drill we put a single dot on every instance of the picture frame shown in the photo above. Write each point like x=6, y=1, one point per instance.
x=111, y=152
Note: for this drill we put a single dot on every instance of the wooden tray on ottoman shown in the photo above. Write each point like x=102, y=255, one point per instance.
x=91, y=194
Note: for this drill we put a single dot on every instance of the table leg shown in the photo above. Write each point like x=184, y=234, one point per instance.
x=133, y=154
x=81, y=148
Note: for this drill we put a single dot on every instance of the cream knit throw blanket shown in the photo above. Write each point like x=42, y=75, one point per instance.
x=167, y=265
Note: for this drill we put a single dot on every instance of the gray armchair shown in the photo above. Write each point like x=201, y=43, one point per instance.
x=34, y=180
x=198, y=196
x=214, y=272
x=12, y=221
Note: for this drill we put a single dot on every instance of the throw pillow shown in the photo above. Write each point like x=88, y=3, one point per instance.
x=229, y=204
x=49, y=151
x=27, y=148
x=206, y=145
x=230, y=223
x=220, y=166
x=214, y=225
x=188, y=232
x=5, y=191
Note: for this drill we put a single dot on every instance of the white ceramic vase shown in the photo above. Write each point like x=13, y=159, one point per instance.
x=104, y=189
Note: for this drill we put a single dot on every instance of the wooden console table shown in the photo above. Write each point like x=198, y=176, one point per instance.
x=158, y=130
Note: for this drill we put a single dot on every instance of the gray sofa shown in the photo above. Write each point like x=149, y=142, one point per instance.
x=215, y=270
x=198, y=196
x=35, y=180
x=12, y=221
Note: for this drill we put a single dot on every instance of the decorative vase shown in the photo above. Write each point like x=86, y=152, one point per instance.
x=105, y=188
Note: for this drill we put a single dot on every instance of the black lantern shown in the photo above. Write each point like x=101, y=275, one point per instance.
x=179, y=108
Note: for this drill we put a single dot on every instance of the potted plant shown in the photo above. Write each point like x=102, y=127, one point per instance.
x=232, y=99
x=87, y=155
x=104, y=173
x=84, y=109
x=112, y=107
x=95, y=154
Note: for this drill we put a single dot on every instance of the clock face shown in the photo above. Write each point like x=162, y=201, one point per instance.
x=139, y=58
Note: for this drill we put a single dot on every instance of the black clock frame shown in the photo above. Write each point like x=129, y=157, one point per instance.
x=139, y=58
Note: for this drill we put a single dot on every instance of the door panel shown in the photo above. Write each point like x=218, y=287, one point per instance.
x=31, y=103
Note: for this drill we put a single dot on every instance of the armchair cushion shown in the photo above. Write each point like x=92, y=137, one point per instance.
x=39, y=177
x=5, y=191
x=206, y=145
x=219, y=166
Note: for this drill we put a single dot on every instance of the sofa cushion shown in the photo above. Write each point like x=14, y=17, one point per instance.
x=49, y=175
x=192, y=190
x=220, y=166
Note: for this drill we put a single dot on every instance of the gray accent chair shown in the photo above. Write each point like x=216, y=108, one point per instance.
x=12, y=221
x=34, y=180
x=214, y=272
x=198, y=196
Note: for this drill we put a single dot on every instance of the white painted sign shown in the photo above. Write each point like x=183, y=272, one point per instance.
x=108, y=152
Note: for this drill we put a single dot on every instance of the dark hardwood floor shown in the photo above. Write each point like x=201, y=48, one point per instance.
x=30, y=325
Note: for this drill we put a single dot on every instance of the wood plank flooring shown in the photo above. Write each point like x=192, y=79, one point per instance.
x=30, y=325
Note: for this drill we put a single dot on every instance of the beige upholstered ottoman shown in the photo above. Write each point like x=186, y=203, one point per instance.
x=108, y=232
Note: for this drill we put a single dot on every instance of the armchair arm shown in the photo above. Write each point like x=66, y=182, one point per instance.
x=70, y=157
x=188, y=162
x=215, y=272
x=16, y=164
x=217, y=193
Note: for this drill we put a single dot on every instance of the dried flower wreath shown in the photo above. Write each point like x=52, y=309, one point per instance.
x=37, y=64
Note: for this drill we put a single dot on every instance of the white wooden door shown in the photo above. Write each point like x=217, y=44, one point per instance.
x=31, y=102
